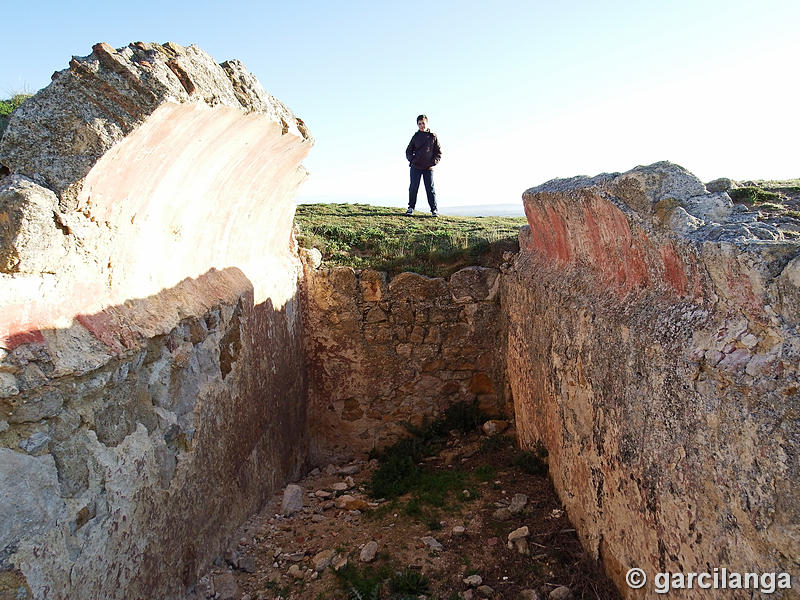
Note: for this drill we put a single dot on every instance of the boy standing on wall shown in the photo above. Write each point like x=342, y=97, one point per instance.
x=423, y=153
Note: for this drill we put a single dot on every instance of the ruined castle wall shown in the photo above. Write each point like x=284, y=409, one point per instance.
x=653, y=349
x=152, y=380
x=387, y=352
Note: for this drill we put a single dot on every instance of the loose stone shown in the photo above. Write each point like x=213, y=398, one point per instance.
x=247, y=564
x=521, y=532
x=432, y=543
x=225, y=587
x=292, y=499
x=501, y=514
x=368, y=551
x=561, y=593
x=322, y=560
x=518, y=503
x=473, y=580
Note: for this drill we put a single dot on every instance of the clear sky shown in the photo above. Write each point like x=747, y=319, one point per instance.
x=518, y=92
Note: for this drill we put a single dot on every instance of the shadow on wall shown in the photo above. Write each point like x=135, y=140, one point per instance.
x=134, y=441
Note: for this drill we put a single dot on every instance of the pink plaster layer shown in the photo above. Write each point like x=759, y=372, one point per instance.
x=588, y=230
x=193, y=188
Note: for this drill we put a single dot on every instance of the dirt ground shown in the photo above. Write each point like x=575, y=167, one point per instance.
x=275, y=556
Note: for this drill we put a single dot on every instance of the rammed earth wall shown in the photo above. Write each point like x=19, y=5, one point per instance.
x=152, y=377
x=653, y=348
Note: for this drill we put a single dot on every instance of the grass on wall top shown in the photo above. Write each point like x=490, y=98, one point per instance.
x=377, y=237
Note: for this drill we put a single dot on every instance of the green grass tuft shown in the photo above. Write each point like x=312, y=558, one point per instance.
x=363, y=584
x=753, y=195
x=399, y=471
x=408, y=582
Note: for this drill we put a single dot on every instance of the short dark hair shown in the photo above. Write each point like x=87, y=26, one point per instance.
x=419, y=118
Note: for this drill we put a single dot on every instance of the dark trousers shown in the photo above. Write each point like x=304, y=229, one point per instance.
x=427, y=177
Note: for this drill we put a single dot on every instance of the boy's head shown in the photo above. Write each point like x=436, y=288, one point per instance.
x=422, y=122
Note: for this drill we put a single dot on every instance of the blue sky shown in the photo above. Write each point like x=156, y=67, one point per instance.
x=518, y=92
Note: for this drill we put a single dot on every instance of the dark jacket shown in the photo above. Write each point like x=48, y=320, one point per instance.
x=423, y=151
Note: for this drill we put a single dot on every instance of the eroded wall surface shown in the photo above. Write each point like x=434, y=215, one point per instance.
x=152, y=380
x=653, y=348
x=387, y=352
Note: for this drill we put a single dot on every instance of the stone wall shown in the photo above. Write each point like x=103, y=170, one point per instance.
x=387, y=352
x=653, y=348
x=152, y=379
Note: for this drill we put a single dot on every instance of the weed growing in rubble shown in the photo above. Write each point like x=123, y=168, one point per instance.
x=494, y=443
x=400, y=472
x=532, y=461
x=409, y=582
x=363, y=584
x=370, y=583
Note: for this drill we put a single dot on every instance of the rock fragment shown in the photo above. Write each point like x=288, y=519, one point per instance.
x=225, y=587
x=473, y=580
x=348, y=502
x=292, y=499
x=36, y=442
x=432, y=543
x=494, y=427
x=501, y=514
x=518, y=503
x=561, y=593
x=322, y=560
x=723, y=184
x=247, y=564
x=517, y=540
x=369, y=551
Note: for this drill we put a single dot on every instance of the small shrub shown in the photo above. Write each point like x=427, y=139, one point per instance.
x=10, y=105
x=433, y=522
x=494, y=443
x=532, y=461
x=362, y=584
x=463, y=416
x=399, y=471
x=753, y=195
x=485, y=472
x=408, y=582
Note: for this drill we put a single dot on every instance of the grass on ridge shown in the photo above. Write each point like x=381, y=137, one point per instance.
x=377, y=237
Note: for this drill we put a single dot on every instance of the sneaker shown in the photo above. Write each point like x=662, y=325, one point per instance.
x=409, y=212
x=434, y=213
